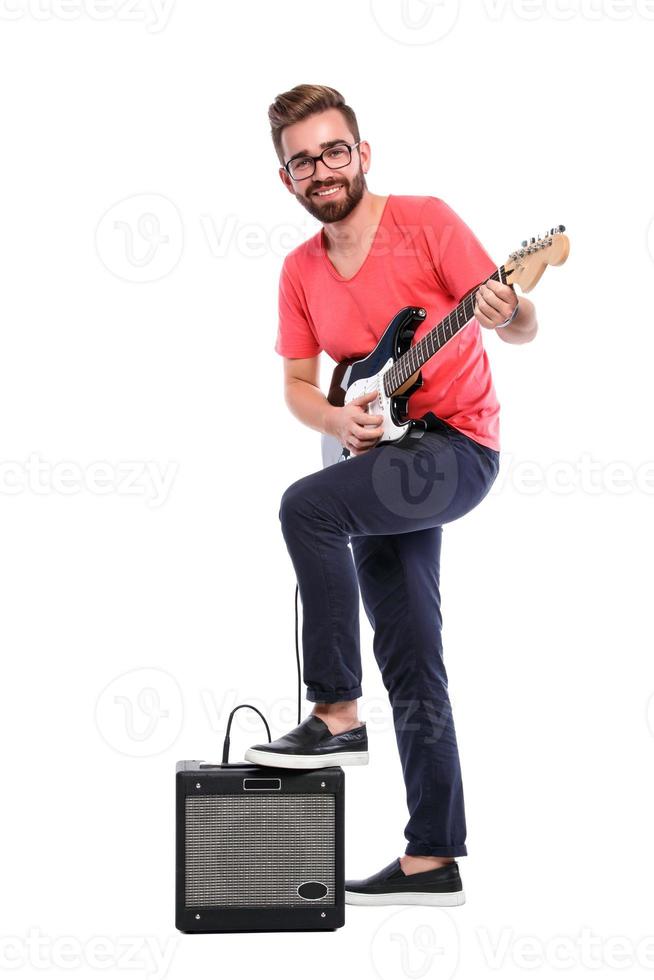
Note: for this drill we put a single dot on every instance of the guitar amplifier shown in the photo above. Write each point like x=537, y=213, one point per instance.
x=259, y=849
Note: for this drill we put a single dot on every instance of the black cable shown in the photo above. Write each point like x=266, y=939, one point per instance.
x=226, y=743
x=229, y=727
x=297, y=657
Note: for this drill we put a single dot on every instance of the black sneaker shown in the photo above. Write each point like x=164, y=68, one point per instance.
x=312, y=746
x=391, y=886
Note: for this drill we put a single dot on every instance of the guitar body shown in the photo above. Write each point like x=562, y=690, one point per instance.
x=351, y=379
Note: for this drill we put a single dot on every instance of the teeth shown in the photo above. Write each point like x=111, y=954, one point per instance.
x=332, y=190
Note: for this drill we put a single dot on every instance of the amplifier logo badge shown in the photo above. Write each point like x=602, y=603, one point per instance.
x=312, y=890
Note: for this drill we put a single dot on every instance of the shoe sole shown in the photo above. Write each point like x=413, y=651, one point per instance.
x=446, y=899
x=280, y=760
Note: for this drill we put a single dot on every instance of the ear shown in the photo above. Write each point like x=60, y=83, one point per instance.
x=286, y=180
x=366, y=154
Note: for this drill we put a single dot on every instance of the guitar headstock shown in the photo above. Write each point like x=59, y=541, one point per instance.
x=526, y=265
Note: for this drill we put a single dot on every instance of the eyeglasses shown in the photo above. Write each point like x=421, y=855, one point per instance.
x=335, y=157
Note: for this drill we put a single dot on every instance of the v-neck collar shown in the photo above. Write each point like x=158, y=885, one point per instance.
x=330, y=265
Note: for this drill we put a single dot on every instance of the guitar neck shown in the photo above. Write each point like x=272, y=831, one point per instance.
x=410, y=363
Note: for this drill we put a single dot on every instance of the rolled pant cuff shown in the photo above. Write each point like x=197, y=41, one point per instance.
x=331, y=697
x=424, y=850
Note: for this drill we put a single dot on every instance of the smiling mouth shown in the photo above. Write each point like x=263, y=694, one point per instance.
x=328, y=191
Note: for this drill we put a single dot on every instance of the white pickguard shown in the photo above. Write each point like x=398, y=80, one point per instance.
x=332, y=450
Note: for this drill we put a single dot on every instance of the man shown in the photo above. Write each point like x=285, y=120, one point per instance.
x=338, y=292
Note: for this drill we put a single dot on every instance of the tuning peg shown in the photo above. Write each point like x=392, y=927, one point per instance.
x=524, y=244
x=561, y=227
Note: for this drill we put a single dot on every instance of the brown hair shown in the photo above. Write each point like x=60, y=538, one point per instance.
x=302, y=101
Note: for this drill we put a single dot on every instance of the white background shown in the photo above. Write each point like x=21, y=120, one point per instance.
x=136, y=615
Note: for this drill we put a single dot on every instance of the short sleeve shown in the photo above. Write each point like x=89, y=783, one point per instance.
x=295, y=337
x=460, y=261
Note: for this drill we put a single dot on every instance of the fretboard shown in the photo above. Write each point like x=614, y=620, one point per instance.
x=410, y=362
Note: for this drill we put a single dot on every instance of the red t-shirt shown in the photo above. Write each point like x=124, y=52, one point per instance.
x=421, y=254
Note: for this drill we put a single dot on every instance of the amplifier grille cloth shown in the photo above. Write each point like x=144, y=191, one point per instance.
x=255, y=851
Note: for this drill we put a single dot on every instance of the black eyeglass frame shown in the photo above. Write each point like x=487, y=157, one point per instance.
x=308, y=156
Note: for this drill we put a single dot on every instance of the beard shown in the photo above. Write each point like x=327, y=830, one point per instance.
x=328, y=211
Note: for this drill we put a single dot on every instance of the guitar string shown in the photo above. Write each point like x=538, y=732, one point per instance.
x=397, y=370
x=395, y=374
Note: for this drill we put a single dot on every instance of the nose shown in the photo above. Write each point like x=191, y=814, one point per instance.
x=322, y=170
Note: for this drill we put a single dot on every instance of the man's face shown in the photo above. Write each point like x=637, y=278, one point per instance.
x=347, y=184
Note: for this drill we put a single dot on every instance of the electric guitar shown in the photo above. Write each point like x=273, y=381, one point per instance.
x=393, y=367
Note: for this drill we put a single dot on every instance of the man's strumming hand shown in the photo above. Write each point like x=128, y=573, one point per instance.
x=354, y=427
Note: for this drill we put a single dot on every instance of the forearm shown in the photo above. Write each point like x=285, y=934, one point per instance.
x=523, y=328
x=308, y=404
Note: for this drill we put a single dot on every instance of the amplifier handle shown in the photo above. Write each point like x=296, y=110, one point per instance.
x=229, y=727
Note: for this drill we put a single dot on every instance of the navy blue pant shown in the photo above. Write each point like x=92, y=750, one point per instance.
x=390, y=504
